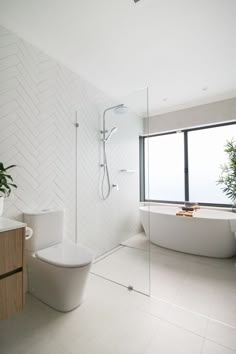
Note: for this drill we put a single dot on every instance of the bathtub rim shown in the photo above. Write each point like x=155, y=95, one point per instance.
x=231, y=215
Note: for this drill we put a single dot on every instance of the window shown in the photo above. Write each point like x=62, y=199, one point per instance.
x=205, y=155
x=186, y=165
x=164, y=162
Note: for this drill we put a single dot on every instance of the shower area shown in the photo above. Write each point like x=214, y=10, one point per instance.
x=108, y=218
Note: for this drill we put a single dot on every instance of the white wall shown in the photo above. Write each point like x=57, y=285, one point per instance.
x=38, y=100
x=221, y=111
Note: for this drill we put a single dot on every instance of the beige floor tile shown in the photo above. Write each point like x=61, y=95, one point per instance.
x=221, y=334
x=188, y=320
x=170, y=339
x=127, y=266
x=213, y=348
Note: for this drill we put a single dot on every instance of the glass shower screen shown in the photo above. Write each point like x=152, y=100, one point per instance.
x=121, y=245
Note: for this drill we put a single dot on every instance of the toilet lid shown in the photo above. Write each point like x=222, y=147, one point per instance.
x=66, y=254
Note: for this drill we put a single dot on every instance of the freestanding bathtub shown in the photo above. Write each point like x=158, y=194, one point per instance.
x=208, y=233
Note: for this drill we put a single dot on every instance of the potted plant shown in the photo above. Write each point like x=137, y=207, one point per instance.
x=6, y=184
x=228, y=173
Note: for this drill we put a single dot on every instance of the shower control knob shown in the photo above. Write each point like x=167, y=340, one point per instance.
x=115, y=186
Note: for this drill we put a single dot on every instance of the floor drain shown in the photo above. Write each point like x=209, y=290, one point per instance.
x=130, y=288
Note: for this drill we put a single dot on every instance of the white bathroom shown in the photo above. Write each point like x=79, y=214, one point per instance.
x=117, y=177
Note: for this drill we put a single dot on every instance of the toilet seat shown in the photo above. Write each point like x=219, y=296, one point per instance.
x=66, y=254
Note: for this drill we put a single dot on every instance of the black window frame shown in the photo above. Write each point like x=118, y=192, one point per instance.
x=185, y=131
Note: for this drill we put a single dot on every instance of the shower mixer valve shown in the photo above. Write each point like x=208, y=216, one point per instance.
x=115, y=186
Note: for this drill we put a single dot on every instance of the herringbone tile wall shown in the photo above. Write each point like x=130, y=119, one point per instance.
x=38, y=100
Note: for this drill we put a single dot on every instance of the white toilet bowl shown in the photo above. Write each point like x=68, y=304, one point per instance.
x=57, y=274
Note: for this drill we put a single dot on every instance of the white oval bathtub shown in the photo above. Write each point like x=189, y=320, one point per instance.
x=208, y=233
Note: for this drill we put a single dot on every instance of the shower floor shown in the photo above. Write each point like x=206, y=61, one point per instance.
x=128, y=266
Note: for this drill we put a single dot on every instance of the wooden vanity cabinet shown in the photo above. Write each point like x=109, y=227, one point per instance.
x=11, y=272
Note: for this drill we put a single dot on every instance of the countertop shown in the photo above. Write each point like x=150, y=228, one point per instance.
x=9, y=224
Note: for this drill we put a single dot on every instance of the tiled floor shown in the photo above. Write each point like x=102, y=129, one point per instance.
x=199, y=284
x=113, y=320
x=194, y=315
x=127, y=266
x=195, y=293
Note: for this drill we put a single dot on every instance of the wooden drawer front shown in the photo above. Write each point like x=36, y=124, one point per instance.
x=11, y=295
x=11, y=250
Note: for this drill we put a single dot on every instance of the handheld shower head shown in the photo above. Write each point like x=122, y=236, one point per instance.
x=113, y=131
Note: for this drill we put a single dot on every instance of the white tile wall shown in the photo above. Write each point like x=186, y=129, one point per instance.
x=38, y=100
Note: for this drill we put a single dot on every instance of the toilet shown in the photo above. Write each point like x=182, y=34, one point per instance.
x=57, y=269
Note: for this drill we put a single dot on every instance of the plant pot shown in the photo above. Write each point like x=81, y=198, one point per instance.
x=1, y=205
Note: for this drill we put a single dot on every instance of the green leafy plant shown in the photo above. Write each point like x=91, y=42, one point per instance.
x=228, y=171
x=6, y=180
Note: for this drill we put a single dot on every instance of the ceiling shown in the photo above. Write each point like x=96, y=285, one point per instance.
x=183, y=50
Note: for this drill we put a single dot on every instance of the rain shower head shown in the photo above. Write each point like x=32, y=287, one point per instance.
x=121, y=109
